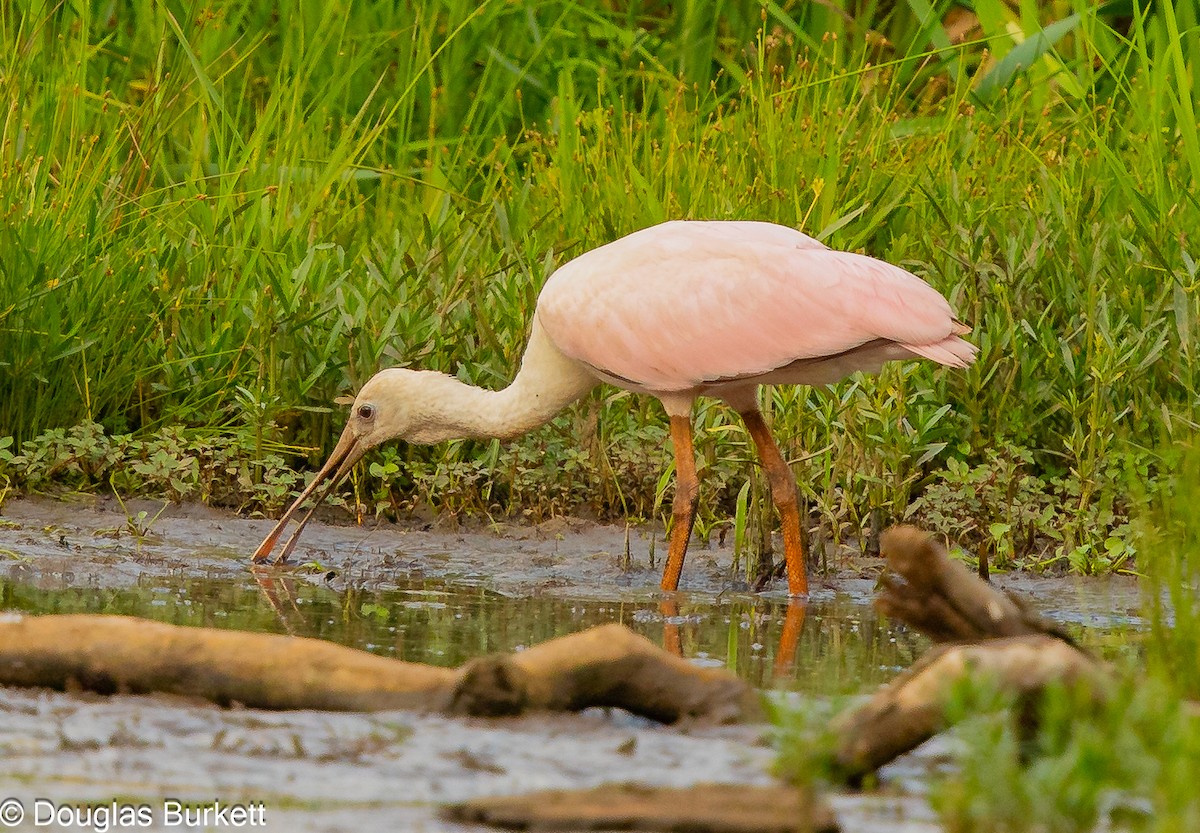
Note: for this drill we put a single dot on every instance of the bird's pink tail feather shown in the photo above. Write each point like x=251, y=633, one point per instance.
x=951, y=351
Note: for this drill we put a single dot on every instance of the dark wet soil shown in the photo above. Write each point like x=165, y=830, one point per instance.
x=439, y=597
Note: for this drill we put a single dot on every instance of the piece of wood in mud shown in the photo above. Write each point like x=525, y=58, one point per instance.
x=704, y=808
x=1000, y=640
x=943, y=599
x=607, y=665
x=912, y=708
x=127, y=655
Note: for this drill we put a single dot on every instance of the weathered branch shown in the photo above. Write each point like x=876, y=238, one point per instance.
x=943, y=599
x=122, y=654
x=608, y=665
x=604, y=666
x=1008, y=645
x=912, y=708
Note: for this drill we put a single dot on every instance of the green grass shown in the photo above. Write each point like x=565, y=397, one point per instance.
x=220, y=219
x=1126, y=765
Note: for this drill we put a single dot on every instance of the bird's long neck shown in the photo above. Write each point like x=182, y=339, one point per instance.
x=547, y=382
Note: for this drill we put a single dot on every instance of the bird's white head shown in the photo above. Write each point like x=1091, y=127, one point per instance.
x=394, y=404
x=403, y=404
x=383, y=409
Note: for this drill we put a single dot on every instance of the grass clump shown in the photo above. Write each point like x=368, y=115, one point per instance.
x=1076, y=760
x=223, y=218
x=1128, y=765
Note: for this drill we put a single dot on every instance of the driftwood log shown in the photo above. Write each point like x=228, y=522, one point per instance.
x=927, y=589
x=607, y=665
x=704, y=808
x=984, y=634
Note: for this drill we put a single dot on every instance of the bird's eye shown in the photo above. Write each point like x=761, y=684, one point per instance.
x=366, y=411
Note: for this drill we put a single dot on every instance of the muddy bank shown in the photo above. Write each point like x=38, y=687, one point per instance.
x=89, y=538
x=325, y=771
x=438, y=597
x=86, y=540
x=319, y=771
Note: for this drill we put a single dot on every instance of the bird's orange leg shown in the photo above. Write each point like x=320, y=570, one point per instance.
x=687, y=495
x=789, y=638
x=672, y=636
x=783, y=490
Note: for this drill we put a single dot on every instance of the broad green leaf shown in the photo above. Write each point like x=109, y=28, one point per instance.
x=1022, y=56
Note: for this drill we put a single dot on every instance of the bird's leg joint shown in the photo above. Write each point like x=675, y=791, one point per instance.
x=687, y=497
x=783, y=484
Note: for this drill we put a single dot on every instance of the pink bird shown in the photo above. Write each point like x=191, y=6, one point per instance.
x=679, y=310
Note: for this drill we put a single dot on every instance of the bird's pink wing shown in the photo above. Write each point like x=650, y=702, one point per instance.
x=685, y=303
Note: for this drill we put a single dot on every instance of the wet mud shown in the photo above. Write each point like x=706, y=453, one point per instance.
x=440, y=597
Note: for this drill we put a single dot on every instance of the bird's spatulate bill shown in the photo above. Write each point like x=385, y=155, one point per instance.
x=347, y=452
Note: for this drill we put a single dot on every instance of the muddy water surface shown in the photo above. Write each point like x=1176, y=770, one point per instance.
x=438, y=597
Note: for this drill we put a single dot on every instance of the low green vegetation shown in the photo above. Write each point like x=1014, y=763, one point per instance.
x=1129, y=765
x=214, y=220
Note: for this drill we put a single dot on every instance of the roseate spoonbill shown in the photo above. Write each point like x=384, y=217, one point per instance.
x=679, y=310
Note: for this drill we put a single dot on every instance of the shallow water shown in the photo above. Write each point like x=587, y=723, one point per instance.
x=437, y=597
x=845, y=646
